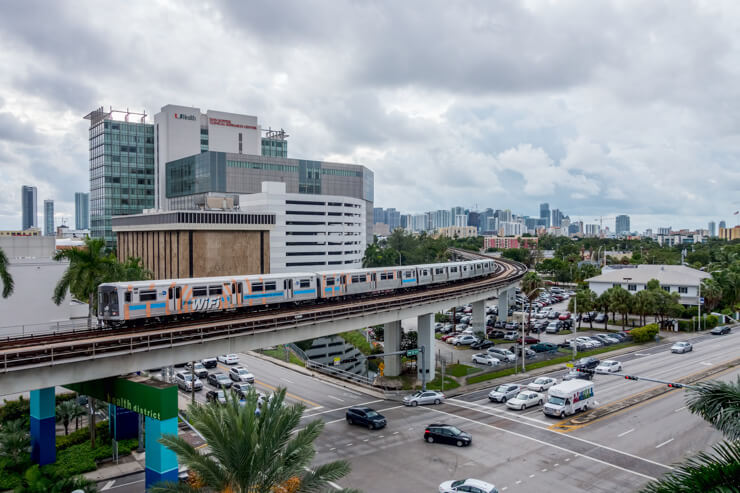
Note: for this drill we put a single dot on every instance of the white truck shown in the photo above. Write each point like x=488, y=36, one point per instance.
x=569, y=397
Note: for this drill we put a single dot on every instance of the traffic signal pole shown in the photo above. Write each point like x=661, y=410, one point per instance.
x=674, y=385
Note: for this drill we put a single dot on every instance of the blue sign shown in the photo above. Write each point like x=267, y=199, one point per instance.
x=701, y=301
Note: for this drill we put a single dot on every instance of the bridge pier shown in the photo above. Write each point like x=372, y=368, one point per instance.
x=478, y=320
x=425, y=328
x=43, y=426
x=392, y=343
x=503, y=304
x=161, y=462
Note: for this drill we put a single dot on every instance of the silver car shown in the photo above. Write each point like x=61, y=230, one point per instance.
x=682, y=347
x=424, y=397
x=504, y=392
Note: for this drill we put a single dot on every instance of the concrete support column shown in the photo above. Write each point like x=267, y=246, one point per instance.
x=425, y=328
x=161, y=462
x=503, y=305
x=43, y=426
x=478, y=320
x=392, y=343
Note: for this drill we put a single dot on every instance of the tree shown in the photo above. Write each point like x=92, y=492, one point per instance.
x=15, y=443
x=621, y=302
x=5, y=277
x=38, y=480
x=67, y=411
x=250, y=452
x=643, y=304
x=531, y=284
x=584, y=301
x=604, y=302
x=719, y=404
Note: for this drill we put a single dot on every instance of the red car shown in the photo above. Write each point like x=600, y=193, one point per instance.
x=528, y=340
x=449, y=336
x=564, y=316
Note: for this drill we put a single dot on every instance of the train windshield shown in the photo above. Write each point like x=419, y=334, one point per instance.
x=108, y=303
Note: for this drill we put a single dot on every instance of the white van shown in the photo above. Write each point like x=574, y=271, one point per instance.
x=569, y=397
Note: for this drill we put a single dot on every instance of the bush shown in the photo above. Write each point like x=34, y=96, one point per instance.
x=80, y=458
x=646, y=333
x=83, y=435
x=712, y=321
x=685, y=325
x=15, y=409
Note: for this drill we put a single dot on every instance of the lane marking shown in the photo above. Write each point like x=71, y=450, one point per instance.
x=679, y=409
x=664, y=443
x=504, y=488
x=126, y=484
x=556, y=465
x=567, y=459
x=286, y=380
x=575, y=454
x=705, y=363
x=348, y=445
x=341, y=408
x=315, y=408
x=544, y=470
x=335, y=398
x=108, y=485
x=381, y=436
x=332, y=449
x=644, y=354
x=531, y=476
x=519, y=482
x=625, y=432
x=365, y=440
x=288, y=394
x=395, y=432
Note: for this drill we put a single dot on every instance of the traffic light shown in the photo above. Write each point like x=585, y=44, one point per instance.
x=675, y=385
x=631, y=377
x=585, y=370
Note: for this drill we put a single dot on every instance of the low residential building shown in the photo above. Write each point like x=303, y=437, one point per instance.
x=458, y=232
x=672, y=278
x=680, y=238
x=504, y=242
x=729, y=234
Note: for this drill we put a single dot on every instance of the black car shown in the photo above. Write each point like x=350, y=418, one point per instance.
x=619, y=335
x=209, y=362
x=364, y=416
x=721, y=330
x=216, y=396
x=496, y=334
x=587, y=363
x=442, y=433
x=482, y=344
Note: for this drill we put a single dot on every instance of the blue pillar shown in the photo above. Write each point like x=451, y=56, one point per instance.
x=161, y=462
x=122, y=423
x=43, y=426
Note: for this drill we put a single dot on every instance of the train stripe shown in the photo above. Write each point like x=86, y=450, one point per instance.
x=265, y=295
x=305, y=291
x=159, y=305
x=409, y=280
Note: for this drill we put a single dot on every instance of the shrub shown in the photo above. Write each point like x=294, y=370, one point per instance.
x=685, y=325
x=15, y=409
x=83, y=435
x=712, y=321
x=646, y=333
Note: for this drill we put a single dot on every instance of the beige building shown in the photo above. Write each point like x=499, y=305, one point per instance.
x=183, y=244
x=729, y=234
x=458, y=232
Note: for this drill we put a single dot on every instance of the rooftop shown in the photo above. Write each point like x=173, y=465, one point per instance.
x=641, y=274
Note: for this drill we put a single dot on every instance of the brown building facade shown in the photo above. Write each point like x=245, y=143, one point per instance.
x=184, y=244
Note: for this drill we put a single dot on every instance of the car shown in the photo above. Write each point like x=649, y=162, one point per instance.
x=219, y=380
x=528, y=353
x=481, y=344
x=541, y=326
x=594, y=341
x=511, y=335
x=241, y=374
x=540, y=315
x=564, y=316
x=553, y=327
x=448, y=337
x=241, y=389
x=524, y=400
x=542, y=347
x=470, y=485
x=605, y=338
x=187, y=381
x=486, y=359
x=600, y=318
x=577, y=374
x=424, y=397
x=587, y=342
x=585, y=317
x=200, y=370
x=496, y=334
x=541, y=384
x=528, y=340
x=364, y=416
x=442, y=433
x=501, y=353
x=229, y=359
x=465, y=340
x=682, y=347
x=609, y=366
x=209, y=363
x=504, y=392
x=720, y=330
x=438, y=326
x=217, y=396
x=621, y=336
x=553, y=315
x=588, y=363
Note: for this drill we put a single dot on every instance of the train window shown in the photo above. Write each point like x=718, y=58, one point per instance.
x=363, y=278
x=233, y=287
x=304, y=283
x=330, y=281
x=408, y=273
x=147, y=295
x=257, y=287
x=215, y=290
x=178, y=292
x=453, y=269
x=384, y=276
x=438, y=271
x=373, y=277
x=239, y=287
x=200, y=291
x=270, y=286
x=127, y=297
x=170, y=293
x=426, y=272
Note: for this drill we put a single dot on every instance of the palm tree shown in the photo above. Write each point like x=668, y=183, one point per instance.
x=622, y=302
x=711, y=291
x=250, y=452
x=604, y=302
x=643, y=304
x=5, y=276
x=15, y=442
x=67, y=411
x=531, y=284
x=37, y=480
x=719, y=404
x=585, y=301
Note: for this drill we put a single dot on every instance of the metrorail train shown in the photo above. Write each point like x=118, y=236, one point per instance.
x=134, y=303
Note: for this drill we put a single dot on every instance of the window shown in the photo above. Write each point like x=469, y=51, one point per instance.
x=683, y=290
x=200, y=291
x=425, y=272
x=330, y=281
x=666, y=288
x=453, y=269
x=257, y=287
x=632, y=287
x=438, y=271
x=147, y=295
x=215, y=290
x=408, y=274
x=270, y=286
x=304, y=283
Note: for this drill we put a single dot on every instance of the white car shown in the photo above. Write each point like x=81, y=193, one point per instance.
x=502, y=354
x=511, y=335
x=465, y=340
x=424, y=397
x=241, y=374
x=229, y=359
x=609, y=366
x=586, y=341
x=524, y=400
x=541, y=384
x=486, y=359
x=682, y=347
x=469, y=485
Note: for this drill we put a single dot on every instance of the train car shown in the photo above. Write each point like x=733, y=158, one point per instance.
x=425, y=274
x=387, y=278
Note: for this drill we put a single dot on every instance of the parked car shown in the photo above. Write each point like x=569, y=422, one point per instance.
x=540, y=326
x=448, y=337
x=541, y=384
x=424, y=397
x=553, y=327
x=542, y=347
x=528, y=340
x=528, y=353
x=229, y=359
x=470, y=484
x=187, y=381
x=486, y=359
x=465, y=340
x=364, y=416
x=482, y=344
x=216, y=396
x=219, y=380
x=609, y=366
x=682, y=347
x=241, y=374
x=241, y=389
x=504, y=392
x=720, y=330
x=587, y=342
x=200, y=370
x=501, y=353
x=606, y=338
x=442, y=433
x=524, y=400
x=553, y=315
x=564, y=316
x=209, y=363
x=620, y=335
x=600, y=318
x=496, y=334
x=511, y=335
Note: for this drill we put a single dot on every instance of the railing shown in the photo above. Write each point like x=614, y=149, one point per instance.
x=338, y=372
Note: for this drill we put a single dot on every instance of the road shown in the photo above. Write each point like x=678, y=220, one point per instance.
x=517, y=451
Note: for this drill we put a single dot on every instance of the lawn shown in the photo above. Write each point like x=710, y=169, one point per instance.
x=436, y=384
x=460, y=370
x=279, y=353
x=358, y=340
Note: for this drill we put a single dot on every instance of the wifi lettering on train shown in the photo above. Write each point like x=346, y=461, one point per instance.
x=204, y=304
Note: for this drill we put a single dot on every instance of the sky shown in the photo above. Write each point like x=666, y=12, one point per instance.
x=598, y=108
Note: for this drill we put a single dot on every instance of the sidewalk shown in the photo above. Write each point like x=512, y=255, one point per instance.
x=131, y=464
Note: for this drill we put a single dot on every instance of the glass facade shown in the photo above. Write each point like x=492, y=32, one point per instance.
x=202, y=173
x=121, y=173
x=309, y=177
x=274, y=147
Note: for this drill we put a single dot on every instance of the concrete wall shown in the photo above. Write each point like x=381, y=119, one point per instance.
x=187, y=253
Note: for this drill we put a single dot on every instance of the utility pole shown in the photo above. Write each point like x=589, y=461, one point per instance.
x=575, y=327
x=192, y=386
x=423, y=370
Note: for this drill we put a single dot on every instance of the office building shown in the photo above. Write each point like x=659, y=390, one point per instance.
x=557, y=218
x=474, y=219
x=29, y=207
x=121, y=168
x=457, y=210
x=712, y=227
x=379, y=216
x=461, y=220
x=393, y=219
x=729, y=234
x=622, y=225
x=664, y=231
x=274, y=143
x=419, y=223
x=49, y=218
x=441, y=218
x=592, y=230
x=722, y=224
x=82, y=210
x=510, y=228
x=458, y=232
x=545, y=213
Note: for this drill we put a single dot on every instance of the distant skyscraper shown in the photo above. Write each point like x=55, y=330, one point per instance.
x=557, y=218
x=49, y=218
x=82, y=210
x=623, y=224
x=378, y=215
x=722, y=224
x=712, y=229
x=545, y=213
x=29, y=207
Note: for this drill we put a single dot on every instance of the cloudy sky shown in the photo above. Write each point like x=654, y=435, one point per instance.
x=599, y=108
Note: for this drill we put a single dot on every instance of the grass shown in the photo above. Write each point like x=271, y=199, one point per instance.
x=540, y=364
x=438, y=336
x=436, y=384
x=565, y=332
x=357, y=339
x=460, y=370
x=279, y=353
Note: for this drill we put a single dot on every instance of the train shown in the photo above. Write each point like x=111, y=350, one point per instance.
x=134, y=303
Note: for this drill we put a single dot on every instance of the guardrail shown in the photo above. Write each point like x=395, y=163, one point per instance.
x=338, y=372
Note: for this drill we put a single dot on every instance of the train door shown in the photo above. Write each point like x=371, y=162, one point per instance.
x=174, y=299
x=288, y=288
